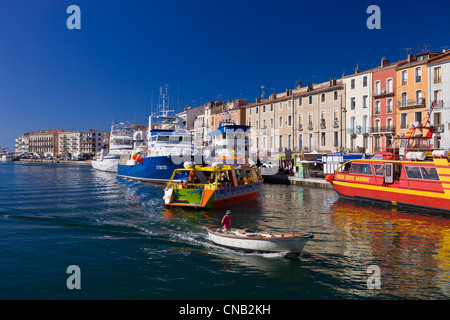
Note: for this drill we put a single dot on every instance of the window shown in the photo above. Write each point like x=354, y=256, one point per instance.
x=335, y=95
x=264, y=108
x=271, y=123
x=257, y=124
x=377, y=107
x=264, y=123
x=404, y=99
x=361, y=168
x=271, y=107
x=365, y=101
x=322, y=97
x=281, y=105
x=403, y=121
x=404, y=77
x=379, y=169
x=377, y=87
x=429, y=173
x=257, y=109
x=418, y=74
x=389, y=86
x=352, y=104
x=336, y=139
x=365, y=81
x=352, y=84
x=418, y=117
x=290, y=104
x=310, y=99
x=299, y=102
x=389, y=106
x=437, y=75
x=281, y=122
x=322, y=139
x=419, y=99
x=413, y=172
x=290, y=121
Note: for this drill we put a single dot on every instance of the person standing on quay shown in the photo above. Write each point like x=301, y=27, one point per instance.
x=226, y=222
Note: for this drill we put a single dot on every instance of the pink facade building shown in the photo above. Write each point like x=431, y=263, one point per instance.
x=383, y=104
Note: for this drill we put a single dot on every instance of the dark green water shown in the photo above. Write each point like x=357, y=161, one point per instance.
x=128, y=245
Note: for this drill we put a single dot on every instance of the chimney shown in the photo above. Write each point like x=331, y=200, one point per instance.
x=258, y=100
x=411, y=57
x=272, y=96
x=384, y=62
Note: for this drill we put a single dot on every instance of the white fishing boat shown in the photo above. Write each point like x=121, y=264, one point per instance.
x=121, y=142
x=253, y=241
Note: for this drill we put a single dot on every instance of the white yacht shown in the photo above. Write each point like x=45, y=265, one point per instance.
x=5, y=156
x=121, y=143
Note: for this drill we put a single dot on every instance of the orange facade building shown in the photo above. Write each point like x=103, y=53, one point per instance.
x=412, y=91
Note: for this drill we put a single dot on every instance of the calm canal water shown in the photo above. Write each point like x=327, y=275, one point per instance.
x=128, y=245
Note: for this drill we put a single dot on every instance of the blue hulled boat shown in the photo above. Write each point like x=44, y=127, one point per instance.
x=168, y=147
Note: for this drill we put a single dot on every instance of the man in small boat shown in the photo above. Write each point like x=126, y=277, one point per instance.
x=226, y=222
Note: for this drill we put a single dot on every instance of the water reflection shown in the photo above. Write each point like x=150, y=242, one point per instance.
x=408, y=247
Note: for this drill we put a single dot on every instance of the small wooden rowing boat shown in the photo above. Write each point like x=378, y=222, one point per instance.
x=251, y=241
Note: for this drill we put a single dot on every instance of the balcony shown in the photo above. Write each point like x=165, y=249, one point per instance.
x=323, y=124
x=336, y=123
x=439, y=128
x=411, y=103
x=300, y=127
x=437, y=79
x=382, y=93
x=310, y=126
x=382, y=130
x=439, y=103
x=264, y=131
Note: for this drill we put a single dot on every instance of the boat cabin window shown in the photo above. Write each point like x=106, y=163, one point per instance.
x=426, y=173
x=176, y=138
x=413, y=172
x=163, y=138
x=361, y=168
x=379, y=169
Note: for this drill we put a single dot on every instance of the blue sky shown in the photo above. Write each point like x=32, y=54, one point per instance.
x=55, y=78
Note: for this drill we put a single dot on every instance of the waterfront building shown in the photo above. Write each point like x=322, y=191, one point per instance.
x=439, y=92
x=63, y=145
x=43, y=142
x=382, y=128
x=304, y=119
x=411, y=92
x=358, y=106
x=319, y=117
x=21, y=145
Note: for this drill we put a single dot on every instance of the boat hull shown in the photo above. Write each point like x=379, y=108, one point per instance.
x=393, y=196
x=150, y=169
x=108, y=165
x=259, y=242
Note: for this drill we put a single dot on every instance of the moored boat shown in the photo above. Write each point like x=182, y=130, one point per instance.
x=121, y=143
x=252, y=241
x=168, y=146
x=408, y=173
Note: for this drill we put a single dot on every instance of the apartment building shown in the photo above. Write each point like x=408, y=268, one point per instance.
x=43, y=142
x=382, y=129
x=358, y=110
x=304, y=119
x=21, y=145
x=439, y=92
x=411, y=95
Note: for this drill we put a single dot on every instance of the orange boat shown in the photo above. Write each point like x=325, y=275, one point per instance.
x=408, y=173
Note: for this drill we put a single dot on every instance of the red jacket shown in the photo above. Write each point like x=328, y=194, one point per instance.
x=226, y=222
